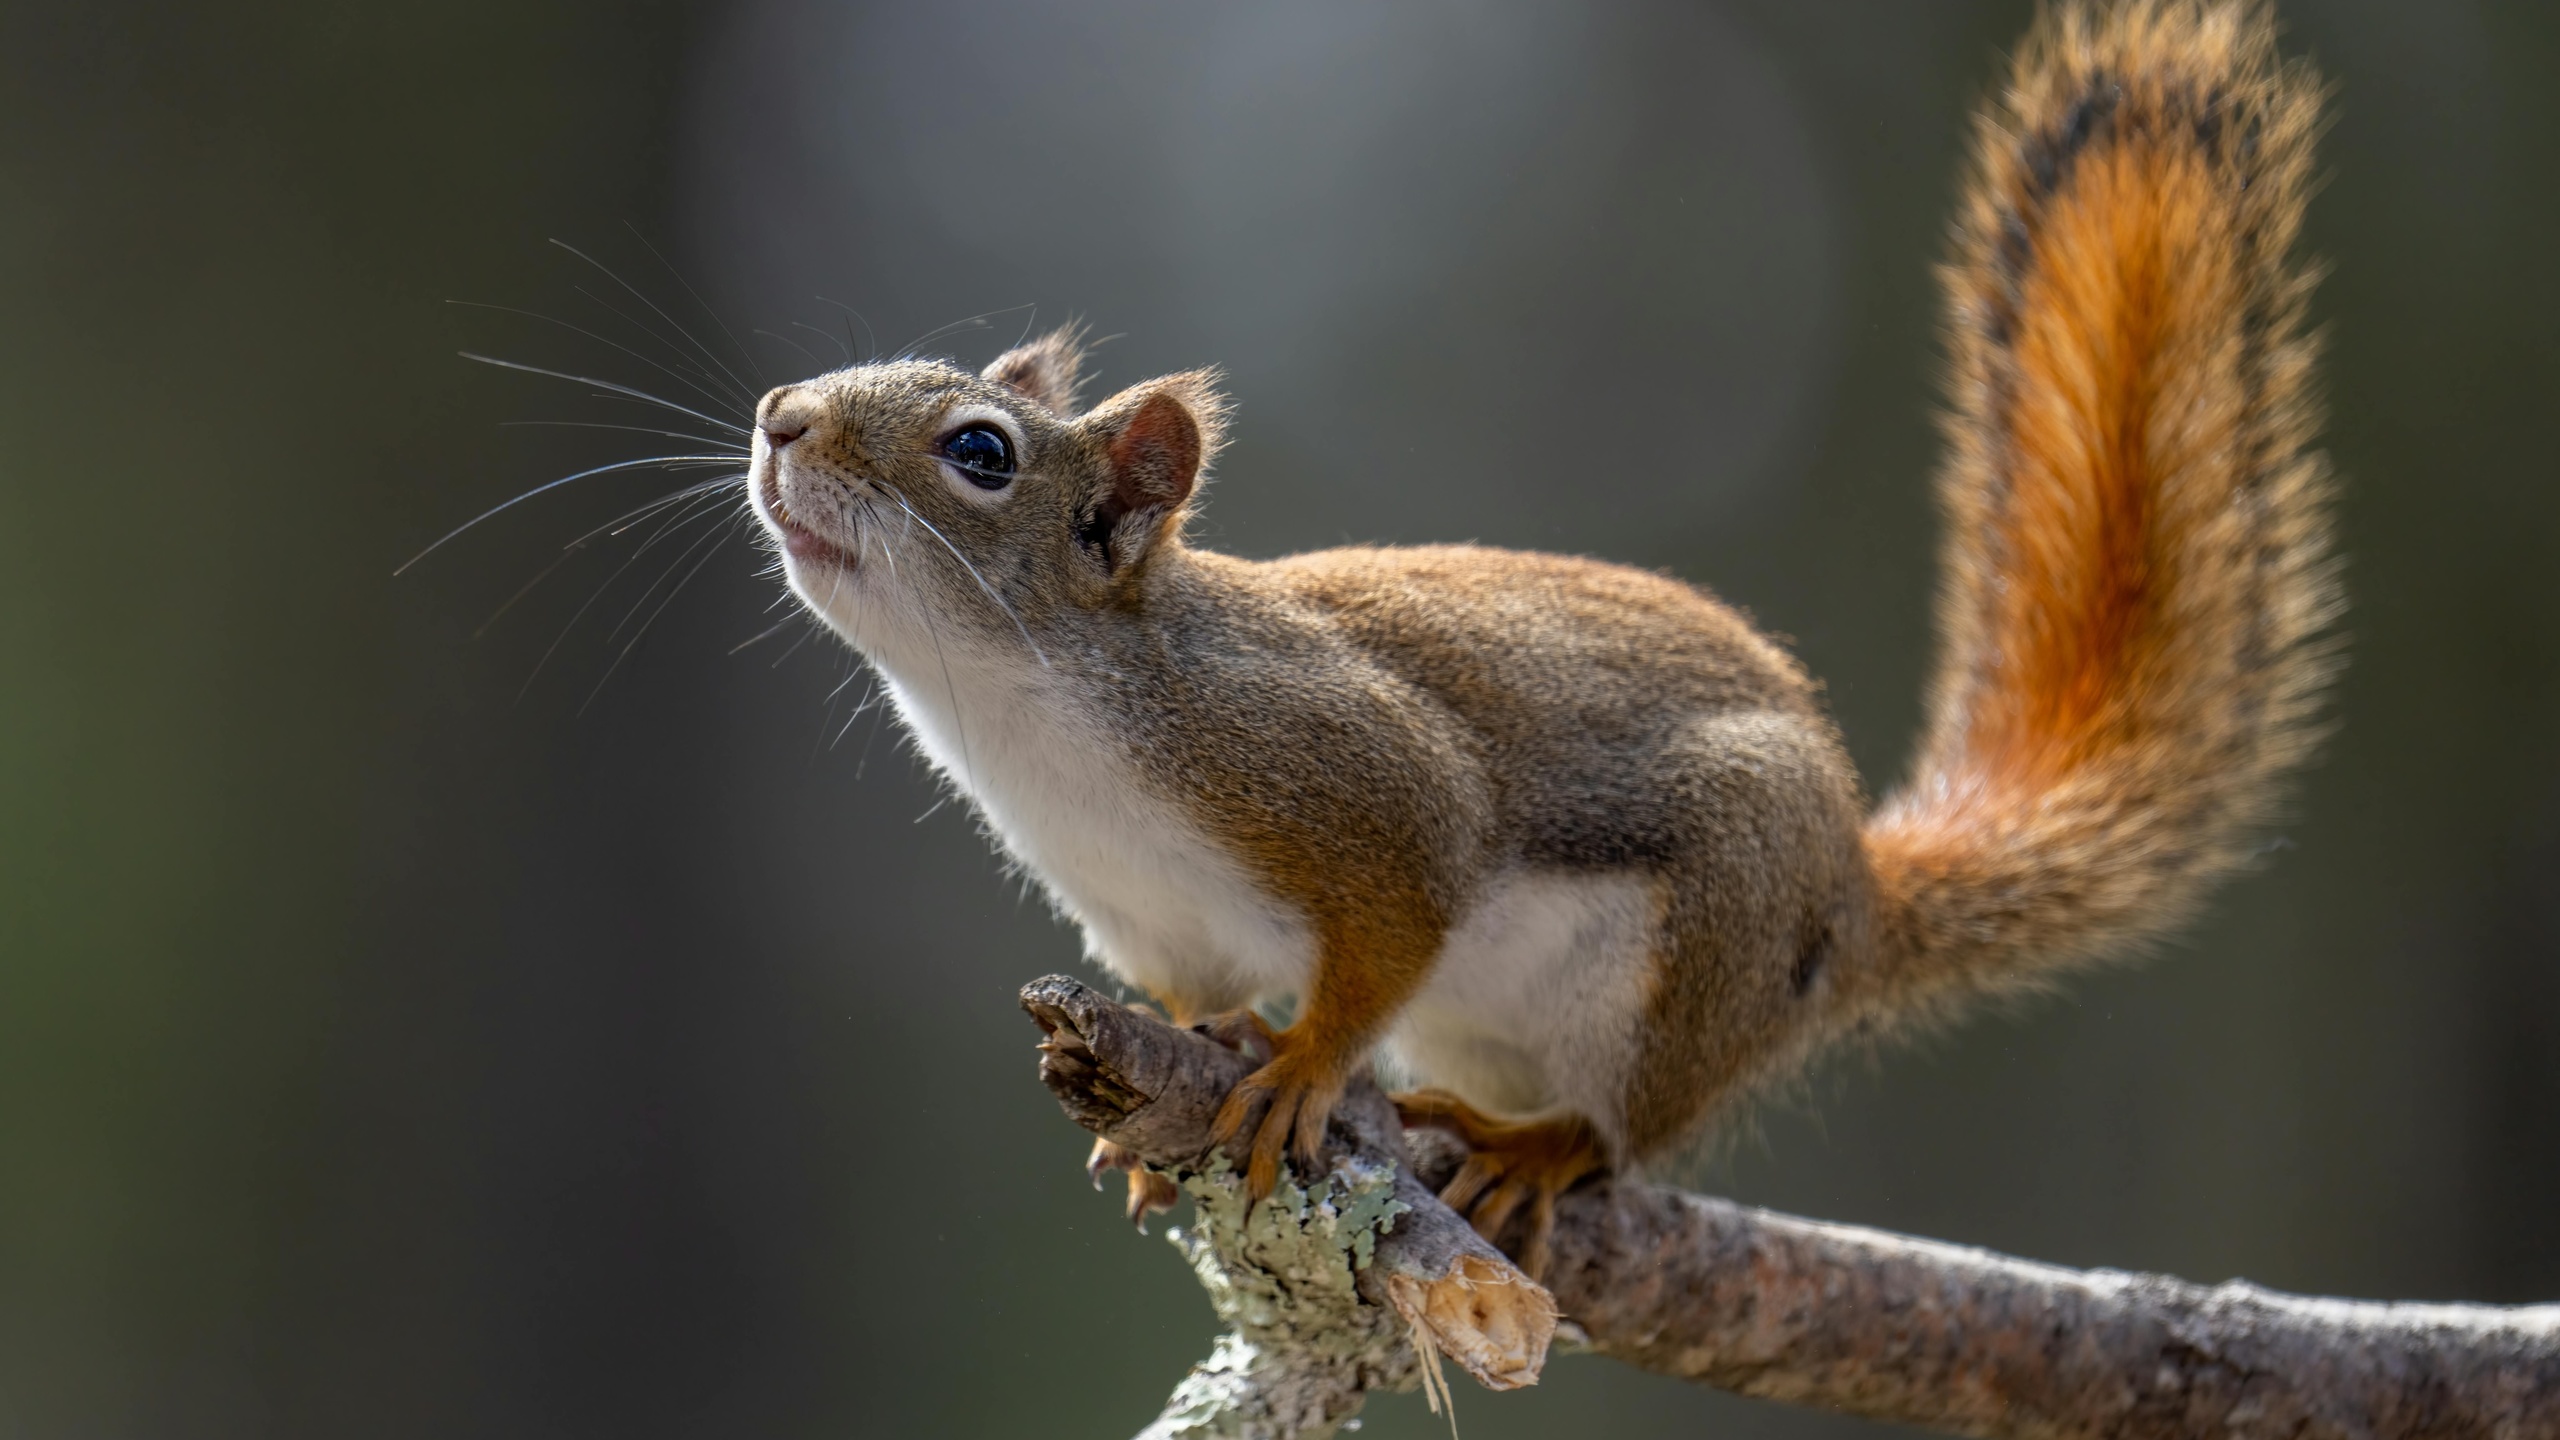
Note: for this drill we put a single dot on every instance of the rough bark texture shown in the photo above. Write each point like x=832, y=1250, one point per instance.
x=1980, y=1344
x=1761, y=1304
x=1331, y=1281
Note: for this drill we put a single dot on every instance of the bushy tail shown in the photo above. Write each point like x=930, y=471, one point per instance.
x=2137, y=580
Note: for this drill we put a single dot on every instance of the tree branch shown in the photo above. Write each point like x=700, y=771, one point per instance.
x=1329, y=1285
x=1761, y=1304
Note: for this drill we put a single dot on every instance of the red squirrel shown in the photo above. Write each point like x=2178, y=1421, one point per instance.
x=1575, y=842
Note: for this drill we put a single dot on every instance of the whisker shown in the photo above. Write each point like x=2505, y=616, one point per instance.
x=629, y=518
x=714, y=539
x=1005, y=475
x=660, y=461
x=713, y=535
x=703, y=305
x=684, y=515
x=716, y=386
x=853, y=665
x=879, y=716
x=870, y=701
x=581, y=613
x=959, y=722
x=622, y=390
x=870, y=342
x=875, y=698
x=979, y=320
x=660, y=366
x=742, y=451
x=849, y=677
x=843, y=347
x=819, y=743
x=580, y=543
x=792, y=649
x=707, y=354
x=794, y=344
x=539, y=576
x=764, y=634
x=1001, y=604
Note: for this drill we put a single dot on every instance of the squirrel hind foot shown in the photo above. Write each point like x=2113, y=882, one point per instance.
x=1509, y=1164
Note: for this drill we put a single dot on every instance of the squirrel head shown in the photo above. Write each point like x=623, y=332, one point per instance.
x=913, y=501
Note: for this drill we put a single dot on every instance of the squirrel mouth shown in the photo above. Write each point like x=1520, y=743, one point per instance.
x=807, y=546
x=799, y=542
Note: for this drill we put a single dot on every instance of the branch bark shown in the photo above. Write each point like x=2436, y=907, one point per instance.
x=1336, y=1285
x=1768, y=1305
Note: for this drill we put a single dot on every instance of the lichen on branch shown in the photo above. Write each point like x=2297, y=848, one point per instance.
x=1854, y=1320
x=1302, y=1349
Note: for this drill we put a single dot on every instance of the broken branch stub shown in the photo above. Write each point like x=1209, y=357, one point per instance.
x=1153, y=1089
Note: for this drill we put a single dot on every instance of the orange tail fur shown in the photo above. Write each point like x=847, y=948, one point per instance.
x=2137, y=580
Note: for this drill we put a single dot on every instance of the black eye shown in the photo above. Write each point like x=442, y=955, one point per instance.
x=983, y=454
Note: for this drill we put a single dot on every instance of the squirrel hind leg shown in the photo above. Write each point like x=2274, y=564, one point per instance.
x=1510, y=1163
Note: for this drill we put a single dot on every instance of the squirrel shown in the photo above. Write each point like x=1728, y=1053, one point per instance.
x=1575, y=842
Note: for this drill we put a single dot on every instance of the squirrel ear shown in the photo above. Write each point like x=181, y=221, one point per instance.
x=1157, y=440
x=1046, y=370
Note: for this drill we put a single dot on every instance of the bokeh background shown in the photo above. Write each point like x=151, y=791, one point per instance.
x=393, y=1047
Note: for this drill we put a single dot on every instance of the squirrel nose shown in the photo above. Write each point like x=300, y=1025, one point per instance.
x=781, y=423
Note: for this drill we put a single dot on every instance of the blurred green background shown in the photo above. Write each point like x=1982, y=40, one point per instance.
x=385, y=1054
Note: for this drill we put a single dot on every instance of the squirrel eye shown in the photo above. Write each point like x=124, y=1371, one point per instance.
x=982, y=453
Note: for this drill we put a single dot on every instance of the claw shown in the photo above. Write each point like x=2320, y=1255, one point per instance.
x=1472, y=1179
x=1151, y=1192
x=1495, y=1210
x=1295, y=1093
x=1509, y=1164
x=1243, y=1030
x=1542, y=1229
x=1262, y=1174
x=1240, y=1104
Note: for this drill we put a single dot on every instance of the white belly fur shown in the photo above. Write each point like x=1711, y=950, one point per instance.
x=1533, y=1005
x=1161, y=905
x=1530, y=1007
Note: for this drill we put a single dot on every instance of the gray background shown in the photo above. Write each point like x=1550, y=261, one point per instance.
x=383, y=1054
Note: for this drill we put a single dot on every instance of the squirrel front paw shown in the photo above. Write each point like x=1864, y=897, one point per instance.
x=1294, y=1095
